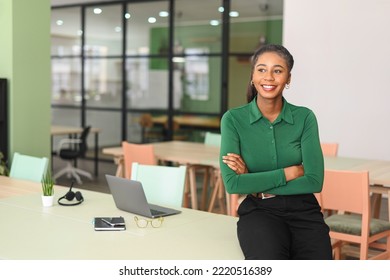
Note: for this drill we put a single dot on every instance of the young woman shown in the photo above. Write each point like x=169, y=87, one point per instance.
x=271, y=151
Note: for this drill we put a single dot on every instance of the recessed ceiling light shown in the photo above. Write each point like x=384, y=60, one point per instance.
x=221, y=9
x=214, y=22
x=118, y=29
x=97, y=11
x=163, y=14
x=59, y=22
x=152, y=20
x=234, y=14
x=127, y=15
x=79, y=32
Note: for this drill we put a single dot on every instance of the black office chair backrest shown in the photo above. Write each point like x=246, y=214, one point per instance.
x=83, y=146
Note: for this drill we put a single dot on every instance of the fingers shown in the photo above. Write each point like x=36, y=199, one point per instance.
x=235, y=162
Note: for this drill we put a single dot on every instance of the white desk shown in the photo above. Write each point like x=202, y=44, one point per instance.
x=30, y=231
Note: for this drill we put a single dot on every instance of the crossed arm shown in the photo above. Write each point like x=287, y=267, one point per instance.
x=237, y=164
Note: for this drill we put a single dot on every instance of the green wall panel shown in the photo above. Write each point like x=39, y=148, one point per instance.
x=27, y=68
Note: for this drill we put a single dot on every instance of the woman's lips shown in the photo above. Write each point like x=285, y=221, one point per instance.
x=268, y=87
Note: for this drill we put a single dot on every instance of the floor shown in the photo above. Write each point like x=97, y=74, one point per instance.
x=98, y=183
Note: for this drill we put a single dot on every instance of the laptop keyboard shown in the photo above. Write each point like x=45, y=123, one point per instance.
x=156, y=212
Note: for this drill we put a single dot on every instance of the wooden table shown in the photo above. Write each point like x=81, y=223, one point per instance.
x=198, y=153
x=32, y=232
x=198, y=122
x=72, y=132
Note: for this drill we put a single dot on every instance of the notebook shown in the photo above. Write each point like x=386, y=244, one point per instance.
x=129, y=196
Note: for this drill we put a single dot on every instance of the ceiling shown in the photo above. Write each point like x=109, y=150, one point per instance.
x=246, y=8
x=186, y=12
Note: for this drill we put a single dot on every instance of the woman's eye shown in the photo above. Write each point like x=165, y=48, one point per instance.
x=262, y=70
x=277, y=71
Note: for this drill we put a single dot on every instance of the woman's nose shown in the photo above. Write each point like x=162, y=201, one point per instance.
x=268, y=76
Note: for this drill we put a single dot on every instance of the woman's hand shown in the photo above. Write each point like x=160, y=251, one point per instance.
x=235, y=163
x=293, y=172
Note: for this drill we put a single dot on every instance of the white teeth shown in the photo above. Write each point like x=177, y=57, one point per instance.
x=267, y=87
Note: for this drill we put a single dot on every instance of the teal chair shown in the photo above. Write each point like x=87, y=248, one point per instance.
x=212, y=139
x=163, y=185
x=27, y=167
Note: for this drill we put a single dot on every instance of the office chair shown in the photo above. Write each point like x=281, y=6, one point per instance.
x=70, y=150
x=27, y=167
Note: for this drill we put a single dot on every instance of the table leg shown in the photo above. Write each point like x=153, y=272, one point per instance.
x=376, y=199
x=120, y=170
x=388, y=204
x=194, y=196
x=377, y=191
x=214, y=195
x=186, y=194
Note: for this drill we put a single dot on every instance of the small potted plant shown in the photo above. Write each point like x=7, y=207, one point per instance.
x=47, y=189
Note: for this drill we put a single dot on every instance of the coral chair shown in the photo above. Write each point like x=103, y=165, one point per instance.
x=329, y=149
x=348, y=191
x=141, y=153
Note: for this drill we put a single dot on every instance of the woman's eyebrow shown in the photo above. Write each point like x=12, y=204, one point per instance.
x=265, y=65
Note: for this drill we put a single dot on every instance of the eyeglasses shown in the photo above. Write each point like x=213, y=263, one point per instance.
x=143, y=223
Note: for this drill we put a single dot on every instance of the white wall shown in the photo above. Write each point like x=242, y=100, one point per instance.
x=342, y=70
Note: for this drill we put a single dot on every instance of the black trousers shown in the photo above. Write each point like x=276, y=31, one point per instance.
x=287, y=227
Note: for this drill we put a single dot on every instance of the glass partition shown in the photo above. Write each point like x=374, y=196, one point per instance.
x=147, y=28
x=66, y=81
x=123, y=69
x=103, y=82
x=147, y=84
x=107, y=122
x=103, y=30
x=66, y=31
x=198, y=25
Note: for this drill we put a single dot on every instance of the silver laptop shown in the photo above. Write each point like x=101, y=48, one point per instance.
x=129, y=196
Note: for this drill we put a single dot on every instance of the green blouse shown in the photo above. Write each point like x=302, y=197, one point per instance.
x=267, y=148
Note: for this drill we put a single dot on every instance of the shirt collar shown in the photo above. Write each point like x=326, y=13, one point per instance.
x=255, y=114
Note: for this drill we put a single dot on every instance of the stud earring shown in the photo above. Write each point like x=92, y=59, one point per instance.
x=287, y=86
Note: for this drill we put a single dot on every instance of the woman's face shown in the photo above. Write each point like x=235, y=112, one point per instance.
x=270, y=75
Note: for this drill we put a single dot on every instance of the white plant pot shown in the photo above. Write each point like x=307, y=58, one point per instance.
x=47, y=201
